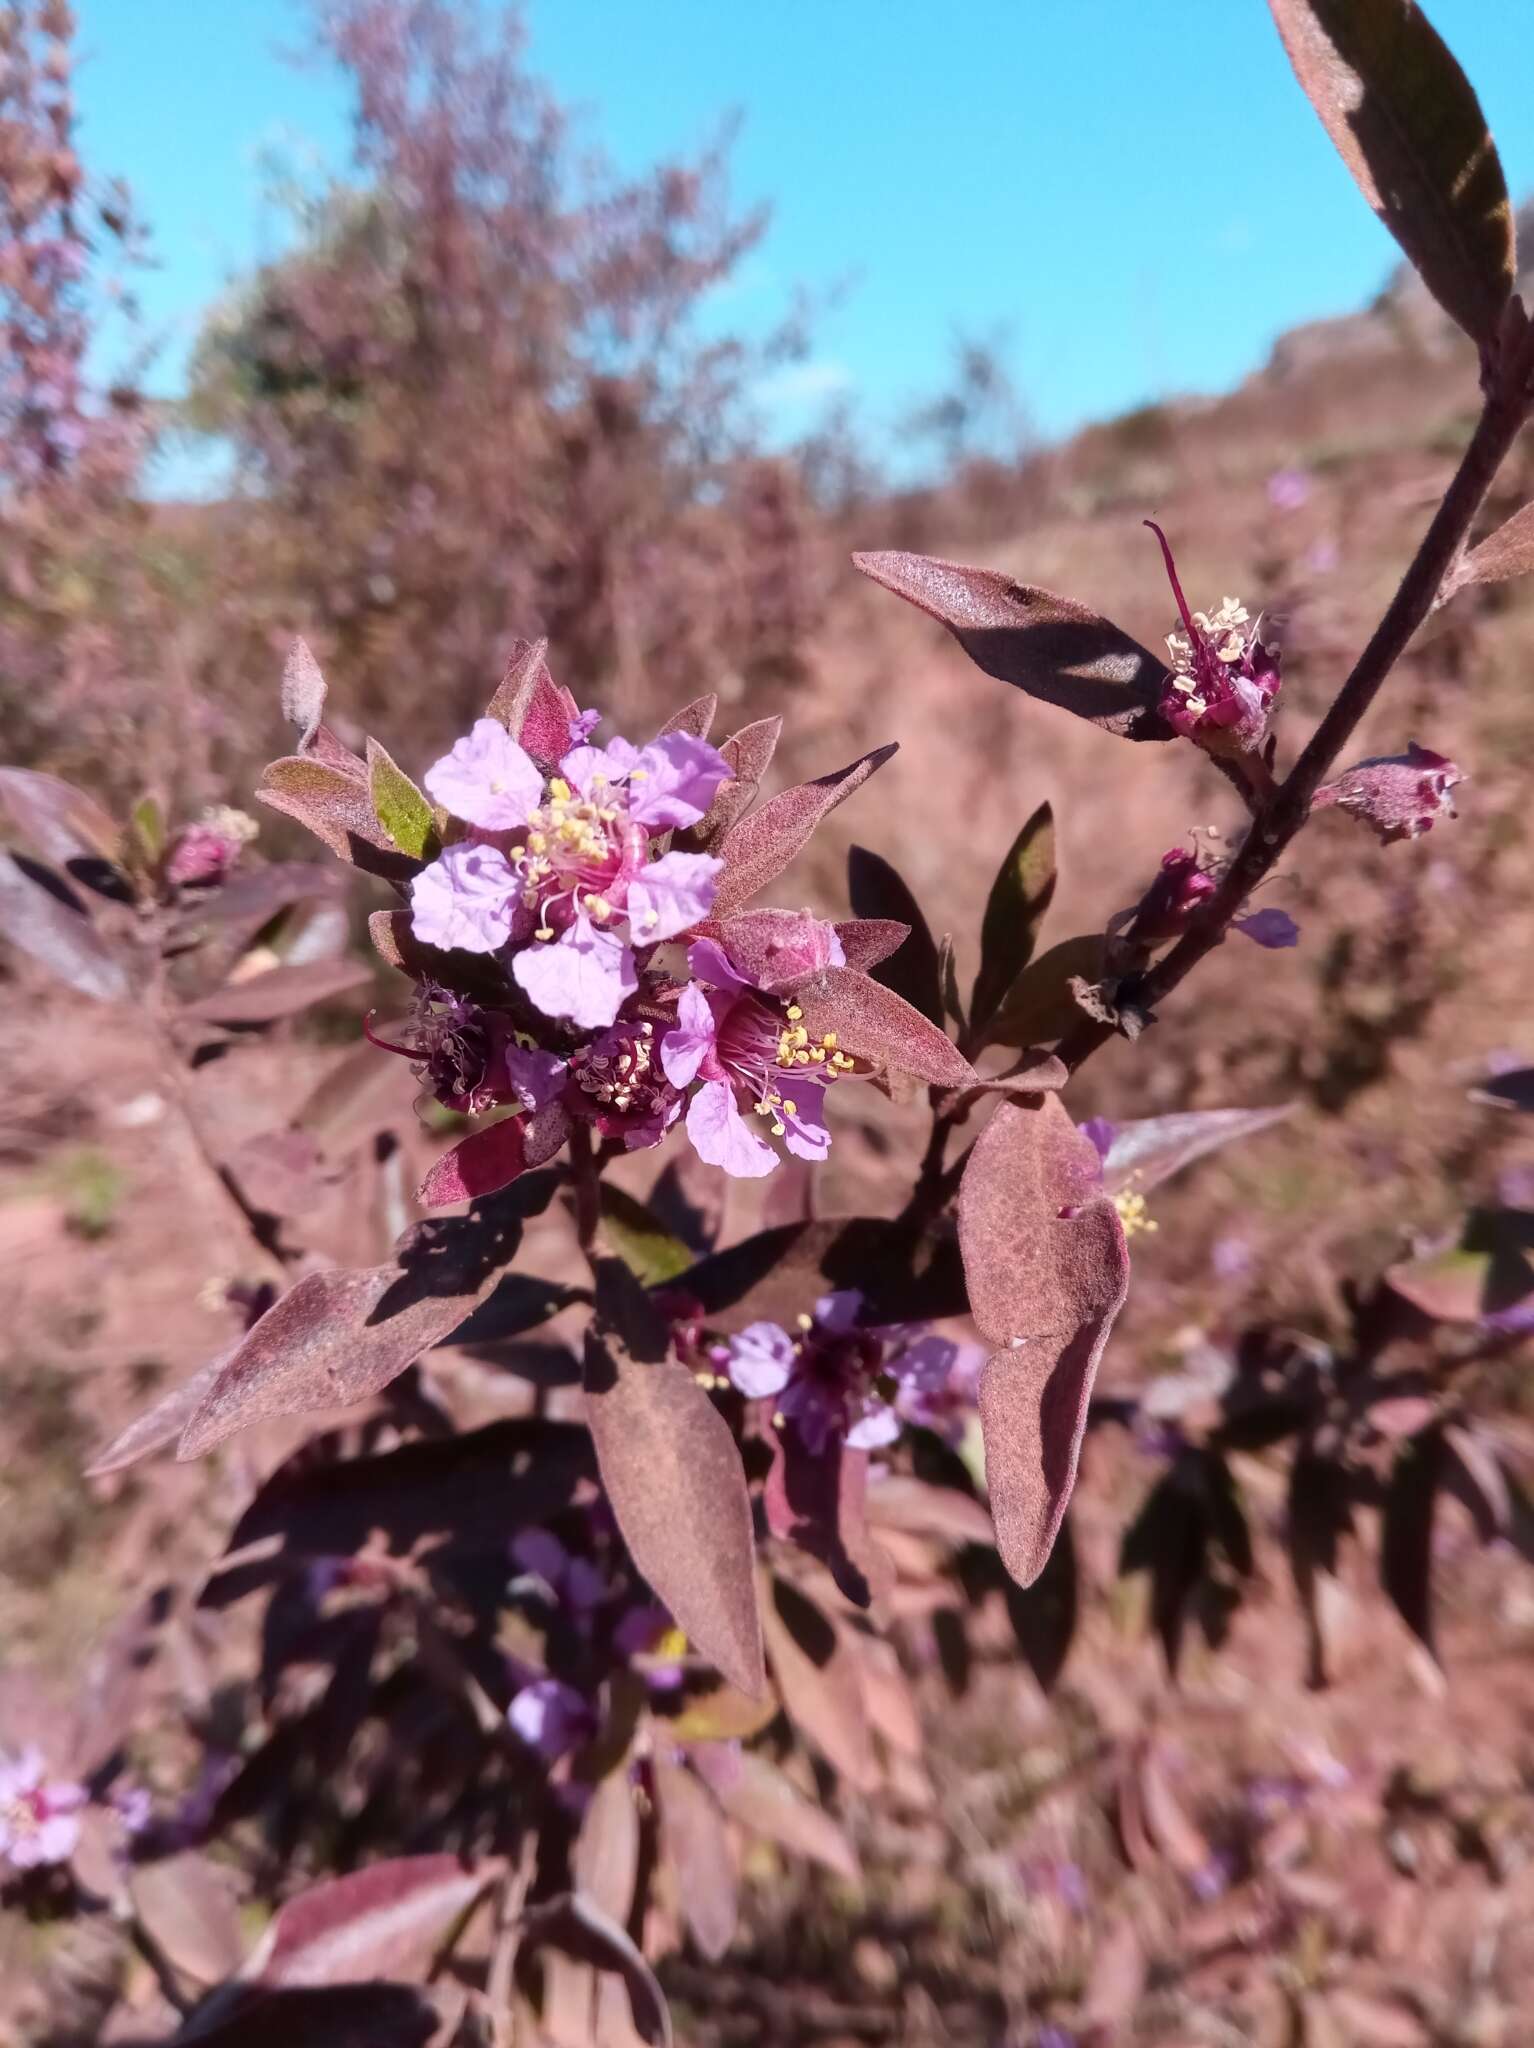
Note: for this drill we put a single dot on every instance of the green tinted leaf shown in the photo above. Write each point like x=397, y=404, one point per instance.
x=148, y=822
x=645, y=1246
x=399, y=806
x=1039, y=1006
x=1020, y=895
x=948, y=977
x=1406, y=122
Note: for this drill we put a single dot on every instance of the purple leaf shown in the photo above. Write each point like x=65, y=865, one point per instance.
x=818, y=1500
x=577, y=1927
x=491, y=1159
x=386, y=1920
x=819, y=1679
x=748, y=754
x=875, y=1025
x=303, y=694
x=1504, y=553
x=868, y=942
x=754, y=1792
x=1015, y=909
x=340, y=1336
x=757, y=849
x=1041, y=1005
x=1151, y=1149
x=673, y=1474
x=190, y=1909
x=530, y=704
x=337, y=808
x=1050, y=647
x=1044, y=1288
x=64, y=941
x=57, y=821
x=910, y=968
x=696, y=1844
x=280, y=992
x=696, y=718
x=605, y=1860
x=1405, y=120
x=161, y=1424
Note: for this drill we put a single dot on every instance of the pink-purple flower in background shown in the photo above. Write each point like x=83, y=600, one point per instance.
x=38, y=1823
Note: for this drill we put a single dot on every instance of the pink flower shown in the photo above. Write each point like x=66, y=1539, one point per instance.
x=618, y=1084
x=466, y=900
x=840, y=1378
x=487, y=780
x=1223, y=682
x=577, y=892
x=204, y=854
x=551, y=1717
x=1399, y=796
x=37, y=1814
x=1171, y=902
x=1273, y=929
x=456, y=1048
x=747, y=1049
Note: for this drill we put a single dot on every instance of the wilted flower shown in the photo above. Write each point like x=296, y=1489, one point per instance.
x=1224, y=680
x=575, y=891
x=1400, y=796
x=750, y=1050
x=836, y=1377
x=37, y=1813
x=458, y=1048
x=1182, y=888
x=204, y=853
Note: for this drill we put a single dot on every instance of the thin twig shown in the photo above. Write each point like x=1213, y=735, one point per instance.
x=1278, y=822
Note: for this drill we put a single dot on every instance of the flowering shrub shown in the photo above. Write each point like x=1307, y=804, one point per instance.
x=527, y=1684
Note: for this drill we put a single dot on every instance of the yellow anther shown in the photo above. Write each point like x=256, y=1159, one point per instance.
x=829, y=1041
x=794, y=1012
x=544, y=931
x=790, y=1108
x=559, y=789
x=673, y=1644
x=805, y=1322
x=1133, y=1213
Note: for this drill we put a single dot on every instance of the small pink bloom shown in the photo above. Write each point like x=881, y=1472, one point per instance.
x=722, y=1137
x=1223, y=679
x=466, y=899
x=37, y=1813
x=1399, y=796
x=760, y=1360
x=674, y=780
x=618, y=1084
x=550, y=1717
x=487, y=780
x=1180, y=890
x=1273, y=928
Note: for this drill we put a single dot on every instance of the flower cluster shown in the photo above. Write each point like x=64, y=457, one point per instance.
x=1223, y=679
x=38, y=1824
x=559, y=872
x=837, y=1378
x=204, y=854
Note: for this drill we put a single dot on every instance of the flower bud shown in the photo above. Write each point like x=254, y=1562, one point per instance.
x=1399, y=795
x=1180, y=889
x=1223, y=680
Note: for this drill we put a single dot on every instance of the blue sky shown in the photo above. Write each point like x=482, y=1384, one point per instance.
x=1134, y=189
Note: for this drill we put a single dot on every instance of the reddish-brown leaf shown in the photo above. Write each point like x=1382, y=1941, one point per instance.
x=60, y=938
x=874, y=1024
x=386, y=1920
x=280, y=992
x=696, y=718
x=1050, y=647
x=1044, y=1288
x=57, y=821
x=757, y=849
x=868, y=942
x=754, y=1792
x=697, y=1846
x=578, y=1927
x=190, y=1908
x=749, y=754
x=820, y=1681
x=531, y=705
x=491, y=1159
x=339, y=1336
x=1151, y=1149
x=161, y=1424
x=303, y=694
x=336, y=807
x=605, y=1860
x=1405, y=120
x=818, y=1501
x=880, y=897
x=1506, y=552
x=674, y=1477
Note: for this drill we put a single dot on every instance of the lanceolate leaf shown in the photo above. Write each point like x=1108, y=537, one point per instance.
x=578, y=1927
x=303, y=693
x=1406, y=1532
x=1406, y=122
x=696, y=718
x=530, y=704
x=399, y=806
x=493, y=1158
x=63, y=940
x=55, y=820
x=1040, y=1005
x=386, y=1920
x=757, y=849
x=340, y=1336
x=818, y=1676
x=749, y=754
x=819, y=1502
x=1506, y=553
x=338, y=809
x=753, y=1791
x=1020, y=896
x=643, y=1243
x=912, y=970
x=873, y=1023
x=161, y=1424
x=675, y=1480
x=1044, y=1287
x=1151, y=1149
x=697, y=1846
x=280, y=992
x=1050, y=647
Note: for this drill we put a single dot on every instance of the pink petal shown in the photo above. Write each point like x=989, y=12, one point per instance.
x=671, y=895
x=722, y=1137
x=487, y=779
x=467, y=899
x=684, y=1050
x=761, y=1360
x=583, y=976
x=674, y=780
x=582, y=766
